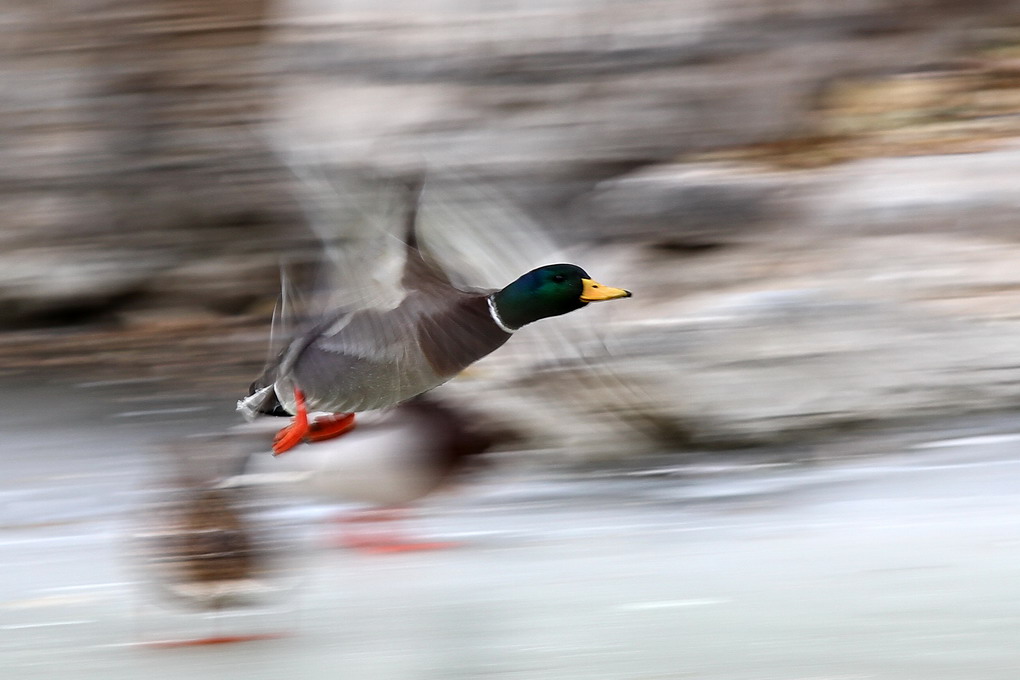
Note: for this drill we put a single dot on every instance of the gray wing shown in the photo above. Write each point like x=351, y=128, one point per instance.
x=358, y=222
x=375, y=358
x=370, y=263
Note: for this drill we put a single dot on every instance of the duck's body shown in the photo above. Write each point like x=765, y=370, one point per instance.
x=371, y=359
x=356, y=360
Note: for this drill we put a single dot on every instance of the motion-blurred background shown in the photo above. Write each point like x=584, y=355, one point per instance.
x=814, y=203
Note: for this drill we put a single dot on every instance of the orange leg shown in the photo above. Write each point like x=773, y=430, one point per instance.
x=293, y=434
x=324, y=427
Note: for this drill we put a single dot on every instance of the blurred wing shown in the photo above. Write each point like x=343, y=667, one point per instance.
x=482, y=239
x=356, y=221
x=480, y=236
x=369, y=334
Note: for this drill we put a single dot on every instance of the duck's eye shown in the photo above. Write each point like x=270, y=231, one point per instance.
x=559, y=278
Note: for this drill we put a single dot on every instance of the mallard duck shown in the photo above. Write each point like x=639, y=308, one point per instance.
x=355, y=360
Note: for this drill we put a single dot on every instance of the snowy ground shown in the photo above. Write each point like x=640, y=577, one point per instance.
x=897, y=566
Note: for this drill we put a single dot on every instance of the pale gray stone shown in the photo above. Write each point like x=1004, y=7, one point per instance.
x=969, y=194
x=755, y=369
x=688, y=205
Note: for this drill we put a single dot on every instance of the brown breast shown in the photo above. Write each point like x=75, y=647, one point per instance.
x=455, y=338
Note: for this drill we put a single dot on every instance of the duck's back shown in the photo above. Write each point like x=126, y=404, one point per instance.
x=373, y=358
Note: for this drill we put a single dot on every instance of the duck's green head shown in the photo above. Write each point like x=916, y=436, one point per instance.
x=549, y=291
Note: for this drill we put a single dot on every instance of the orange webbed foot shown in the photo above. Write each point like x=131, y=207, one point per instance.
x=323, y=427
x=288, y=438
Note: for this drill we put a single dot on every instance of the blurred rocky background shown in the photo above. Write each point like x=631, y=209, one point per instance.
x=815, y=203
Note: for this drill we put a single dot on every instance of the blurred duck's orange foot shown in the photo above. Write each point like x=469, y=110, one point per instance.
x=213, y=640
x=323, y=427
x=327, y=427
x=354, y=536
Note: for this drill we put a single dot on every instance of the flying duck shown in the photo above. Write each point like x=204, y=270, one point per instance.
x=362, y=359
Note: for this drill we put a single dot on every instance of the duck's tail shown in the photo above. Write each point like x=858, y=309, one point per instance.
x=261, y=398
x=261, y=401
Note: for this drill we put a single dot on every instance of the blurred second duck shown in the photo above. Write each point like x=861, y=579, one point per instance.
x=393, y=459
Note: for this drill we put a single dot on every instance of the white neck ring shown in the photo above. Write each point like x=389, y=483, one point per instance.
x=495, y=316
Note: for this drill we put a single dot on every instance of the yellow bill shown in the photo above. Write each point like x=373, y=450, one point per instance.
x=595, y=292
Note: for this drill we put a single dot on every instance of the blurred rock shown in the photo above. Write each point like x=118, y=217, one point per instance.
x=50, y=282
x=223, y=284
x=140, y=173
x=129, y=145
x=766, y=366
x=553, y=99
x=145, y=122
x=711, y=203
x=759, y=368
x=687, y=206
x=968, y=194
